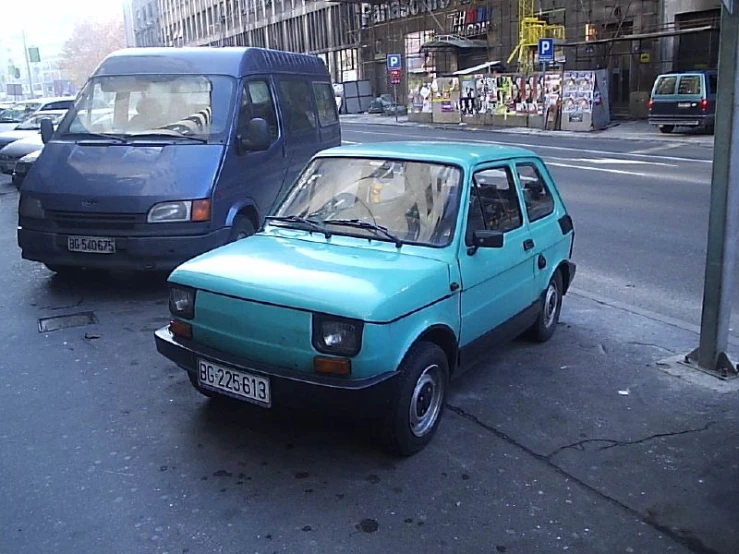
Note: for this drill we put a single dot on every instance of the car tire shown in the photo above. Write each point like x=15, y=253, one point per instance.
x=422, y=390
x=241, y=228
x=667, y=129
x=551, y=306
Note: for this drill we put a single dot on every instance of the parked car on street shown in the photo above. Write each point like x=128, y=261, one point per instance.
x=31, y=126
x=385, y=104
x=383, y=272
x=216, y=136
x=21, y=111
x=10, y=154
x=23, y=166
x=684, y=100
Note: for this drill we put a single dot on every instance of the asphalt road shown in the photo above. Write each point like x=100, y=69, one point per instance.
x=640, y=210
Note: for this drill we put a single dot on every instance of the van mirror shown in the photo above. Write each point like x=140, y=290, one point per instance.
x=257, y=136
x=47, y=130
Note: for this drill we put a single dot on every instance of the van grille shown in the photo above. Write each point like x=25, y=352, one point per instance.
x=94, y=221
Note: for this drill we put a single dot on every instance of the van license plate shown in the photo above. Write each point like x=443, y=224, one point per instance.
x=91, y=245
x=683, y=104
x=235, y=383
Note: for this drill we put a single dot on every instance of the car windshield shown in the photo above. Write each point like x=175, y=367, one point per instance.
x=170, y=106
x=382, y=199
x=33, y=123
x=18, y=113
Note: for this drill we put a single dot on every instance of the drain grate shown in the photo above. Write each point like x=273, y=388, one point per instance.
x=80, y=319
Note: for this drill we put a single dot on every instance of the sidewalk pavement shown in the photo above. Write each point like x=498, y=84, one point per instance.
x=618, y=130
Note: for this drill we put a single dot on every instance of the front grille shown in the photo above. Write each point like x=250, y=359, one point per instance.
x=94, y=221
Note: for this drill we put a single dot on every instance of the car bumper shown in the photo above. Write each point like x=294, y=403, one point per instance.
x=152, y=253
x=682, y=121
x=368, y=397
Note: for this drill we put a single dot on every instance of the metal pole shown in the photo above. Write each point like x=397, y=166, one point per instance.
x=28, y=62
x=395, y=93
x=723, y=222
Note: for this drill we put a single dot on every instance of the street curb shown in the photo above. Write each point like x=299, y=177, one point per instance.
x=535, y=132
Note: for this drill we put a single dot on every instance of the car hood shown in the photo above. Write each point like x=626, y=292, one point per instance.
x=11, y=136
x=21, y=147
x=8, y=126
x=350, y=281
x=126, y=178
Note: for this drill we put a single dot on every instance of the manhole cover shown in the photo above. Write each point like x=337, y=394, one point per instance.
x=47, y=324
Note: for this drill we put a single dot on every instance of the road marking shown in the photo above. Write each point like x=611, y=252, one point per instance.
x=657, y=148
x=611, y=161
x=549, y=147
x=603, y=169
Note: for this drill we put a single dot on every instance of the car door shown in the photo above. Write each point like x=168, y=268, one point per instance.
x=254, y=176
x=551, y=244
x=497, y=283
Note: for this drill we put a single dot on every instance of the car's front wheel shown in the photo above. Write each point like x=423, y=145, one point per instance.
x=418, y=405
x=551, y=305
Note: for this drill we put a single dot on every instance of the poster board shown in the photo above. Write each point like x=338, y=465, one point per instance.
x=445, y=104
x=584, y=101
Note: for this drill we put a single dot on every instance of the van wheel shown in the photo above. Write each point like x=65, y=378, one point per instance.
x=551, y=305
x=241, y=228
x=667, y=129
x=421, y=392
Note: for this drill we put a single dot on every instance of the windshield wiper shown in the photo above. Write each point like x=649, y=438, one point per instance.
x=360, y=224
x=104, y=136
x=135, y=136
x=315, y=225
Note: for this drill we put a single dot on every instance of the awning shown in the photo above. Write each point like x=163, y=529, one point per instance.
x=453, y=42
x=480, y=68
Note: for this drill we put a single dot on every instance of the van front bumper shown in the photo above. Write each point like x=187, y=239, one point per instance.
x=367, y=397
x=152, y=253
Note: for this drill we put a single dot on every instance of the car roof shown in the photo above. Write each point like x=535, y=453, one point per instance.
x=465, y=154
x=231, y=60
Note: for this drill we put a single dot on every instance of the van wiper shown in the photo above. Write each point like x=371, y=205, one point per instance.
x=360, y=224
x=166, y=136
x=103, y=136
x=313, y=224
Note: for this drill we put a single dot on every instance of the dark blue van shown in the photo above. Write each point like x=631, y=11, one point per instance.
x=685, y=99
x=171, y=152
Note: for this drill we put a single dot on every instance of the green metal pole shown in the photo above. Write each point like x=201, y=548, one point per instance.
x=723, y=222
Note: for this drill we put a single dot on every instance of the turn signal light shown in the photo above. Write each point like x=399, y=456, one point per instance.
x=332, y=366
x=180, y=329
x=200, y=210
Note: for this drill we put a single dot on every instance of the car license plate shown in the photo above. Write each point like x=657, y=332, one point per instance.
x=683, y=104
x=235, y=383
x=92, y=245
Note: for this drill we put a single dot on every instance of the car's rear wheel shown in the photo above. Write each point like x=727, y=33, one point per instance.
x=551, y=305
x=418, y=406
x=667, y=129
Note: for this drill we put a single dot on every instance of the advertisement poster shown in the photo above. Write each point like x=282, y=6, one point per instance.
x=419, y=94
x=446, y=95
x=577, y=92
x=468, y=100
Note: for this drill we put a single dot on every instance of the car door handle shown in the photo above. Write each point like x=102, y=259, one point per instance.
x=528, y=244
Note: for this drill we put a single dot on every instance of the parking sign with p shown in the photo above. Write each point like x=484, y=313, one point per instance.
x=393, y=61
x=546, y=50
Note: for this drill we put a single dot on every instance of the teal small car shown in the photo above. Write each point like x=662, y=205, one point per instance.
x=385, y=269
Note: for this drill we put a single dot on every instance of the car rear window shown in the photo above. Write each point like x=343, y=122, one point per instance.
x=690, y=84
x=665, y=85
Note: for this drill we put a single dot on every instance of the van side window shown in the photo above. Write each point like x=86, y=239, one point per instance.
x=538, y=199
x=256, y=101
x=493, y=202
x=297, y=106
x=326, y=103
x=689, y=84
x=665, y=86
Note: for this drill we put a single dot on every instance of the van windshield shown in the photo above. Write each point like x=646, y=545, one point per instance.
x=146, y=106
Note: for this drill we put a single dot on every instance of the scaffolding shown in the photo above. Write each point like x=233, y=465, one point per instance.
x=532, y=28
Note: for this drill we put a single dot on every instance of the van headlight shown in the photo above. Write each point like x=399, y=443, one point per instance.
x=182, y=301
x=339, y=336
x=179, y=211
x=31, y=208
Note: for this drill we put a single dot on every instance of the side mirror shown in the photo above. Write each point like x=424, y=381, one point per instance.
x=485, y=239
x=47, y=130
x=257, y=136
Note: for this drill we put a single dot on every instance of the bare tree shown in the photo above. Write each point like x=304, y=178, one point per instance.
x=90, y=42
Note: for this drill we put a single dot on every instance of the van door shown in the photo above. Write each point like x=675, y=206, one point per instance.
x=252, y=177
x=328, y=115
x=691, y=92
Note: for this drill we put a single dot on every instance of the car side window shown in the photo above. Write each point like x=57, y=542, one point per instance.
x=494, y=202
x=536, y=194
x=299, y=112
x=256, y=101
x=326, y=102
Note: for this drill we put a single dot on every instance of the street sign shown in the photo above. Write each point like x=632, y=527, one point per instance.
x=395, y=76
x=394, y=61
x=546, y=49
x=33, y=55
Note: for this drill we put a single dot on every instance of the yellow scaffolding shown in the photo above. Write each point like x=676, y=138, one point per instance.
x=530, y=29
